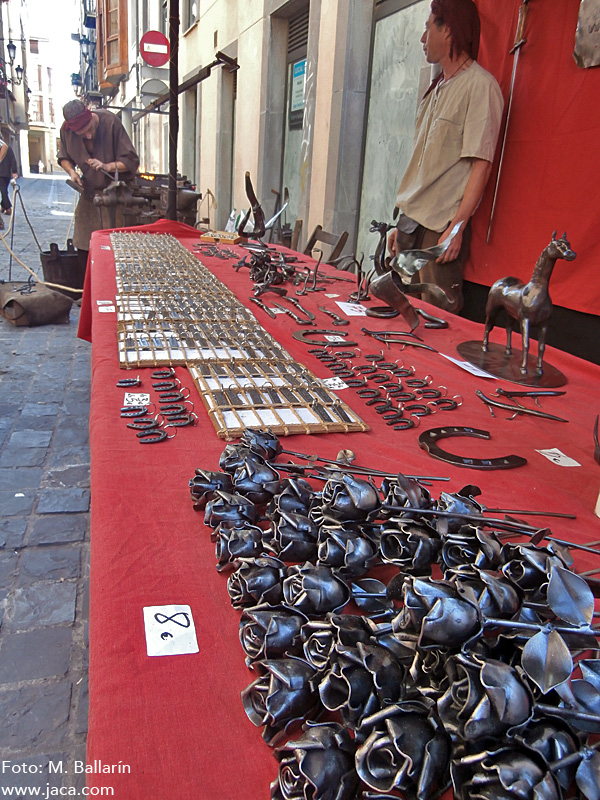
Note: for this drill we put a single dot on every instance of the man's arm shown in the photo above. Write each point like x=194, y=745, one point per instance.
x=69, y=168
x=471, y=198
x=3, y=151
x=111, y=166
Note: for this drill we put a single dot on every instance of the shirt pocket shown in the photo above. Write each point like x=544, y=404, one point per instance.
x=446, y=136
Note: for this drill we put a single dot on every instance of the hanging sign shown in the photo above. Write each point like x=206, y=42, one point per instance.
x=154, y=48
x=297, y=93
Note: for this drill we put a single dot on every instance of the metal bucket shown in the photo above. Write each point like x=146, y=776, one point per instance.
x=65, y=267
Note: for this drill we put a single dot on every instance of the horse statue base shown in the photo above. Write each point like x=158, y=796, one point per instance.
x=496, y=362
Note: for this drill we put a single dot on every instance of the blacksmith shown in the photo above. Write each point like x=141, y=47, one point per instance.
x=95, y=143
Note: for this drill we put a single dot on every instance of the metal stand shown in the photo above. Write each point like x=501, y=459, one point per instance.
x=508, y=367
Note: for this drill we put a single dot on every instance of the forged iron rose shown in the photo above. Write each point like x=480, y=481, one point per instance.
x=263, y=442
x=348, y=498
x=233, y=544
x=314, y=590
x=256, y=480
x=233, y=456
x=436, y=611
x=406, y=749
x=338, y=630
x=231, y=510
x=282, y=696
x=293, y=537
x=471, y=545
x=361, y=680
x=319, y=765
x=553, y=740
x=510, y=773
x=403, y=492
x=370, y=596
x=204, y=484
x=461, y=503
x=411, y=546
x=346, y=550
x=485, y=698
x=494, y=595
x=257, y=581
x=529, y=567
x=428, y=672
x=296, y=495
x=270, y=632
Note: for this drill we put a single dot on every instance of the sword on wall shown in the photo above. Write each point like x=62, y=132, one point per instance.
x=515, y=50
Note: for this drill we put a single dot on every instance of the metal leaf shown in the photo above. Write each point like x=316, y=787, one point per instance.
x=587, y=699
x=569, y=597
x=588, y=776
x=547, y=660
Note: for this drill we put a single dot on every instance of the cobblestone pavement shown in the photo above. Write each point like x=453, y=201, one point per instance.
x=44, y=519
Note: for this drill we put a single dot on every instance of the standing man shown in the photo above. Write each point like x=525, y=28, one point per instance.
x=457, y=128
x=96, y=143
x=8, y=170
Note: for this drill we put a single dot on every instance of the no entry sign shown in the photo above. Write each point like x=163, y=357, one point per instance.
x=154, y=48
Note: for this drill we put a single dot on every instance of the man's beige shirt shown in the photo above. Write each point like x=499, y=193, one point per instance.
x=456, y=122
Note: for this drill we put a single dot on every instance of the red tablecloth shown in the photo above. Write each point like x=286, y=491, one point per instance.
x=178, y=722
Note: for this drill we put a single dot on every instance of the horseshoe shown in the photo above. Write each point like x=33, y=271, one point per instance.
x=428, y=441
x=302, y=336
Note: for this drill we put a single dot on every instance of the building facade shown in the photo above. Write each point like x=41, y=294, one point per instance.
x=316, y=88
x=14, y=95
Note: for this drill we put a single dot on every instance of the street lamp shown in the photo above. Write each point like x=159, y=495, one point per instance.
x=12, y=51
x=19, y=71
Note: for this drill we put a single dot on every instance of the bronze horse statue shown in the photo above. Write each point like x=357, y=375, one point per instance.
x=528, y=303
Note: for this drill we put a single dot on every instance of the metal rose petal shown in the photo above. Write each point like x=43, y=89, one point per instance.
x=294, y=537
x=494, y=595
x=553, y=740
x=406, y=749
x=256, y=480
x=546, y=660
x=588, y=775
x=319, y=764
x=314, y=590
x=257, y=581
x=263, y=442
x=233, y=544
x=590, y=670
x=483, y=699
x=585, y=697
x=233, y=456
x=510, y=773
x=268, y=632
x=229, y=509
x=471, y=545
x=411, y=546
x=570, y=597
x=346, y=550
x=284, y=695
x=205, y=483
x=449, y=623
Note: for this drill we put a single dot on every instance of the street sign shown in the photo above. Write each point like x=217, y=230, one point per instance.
x=154, y=48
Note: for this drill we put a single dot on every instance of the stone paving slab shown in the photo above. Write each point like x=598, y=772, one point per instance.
x=14, y=480
x=43, y=653
x=42, y=603
x=16, y=504
x=57, y=501
x=12, y=532
x=34, y=772
x=57, y=529
x=23, y=457
x=30, y=438
x=50, y=563
x=35, y=715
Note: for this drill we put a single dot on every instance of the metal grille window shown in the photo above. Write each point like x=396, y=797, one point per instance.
x=190, y=13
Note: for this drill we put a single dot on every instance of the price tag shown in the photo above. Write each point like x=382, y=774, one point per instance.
x=352, y=309
x=105, y=247
x=334, y=339
x=466, y=365
x=107, y=309
x=170, y=630
x=136, y=399
x=104, y=302
x=331, y=295
x=558, y=457
x=335, y=383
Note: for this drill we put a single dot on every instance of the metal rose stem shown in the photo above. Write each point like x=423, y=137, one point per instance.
x=514, y=625
x=555, y=766
x=526, y=530
x=533, y=514
x=350, y=469
x=568, y=713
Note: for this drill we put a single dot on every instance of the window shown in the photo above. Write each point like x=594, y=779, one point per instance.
x=49, y=80
x=51, y=110
x=190, y=13
x=112, y=30
x=34, y=46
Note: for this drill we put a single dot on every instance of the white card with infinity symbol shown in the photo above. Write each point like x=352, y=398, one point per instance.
x=170, y=630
